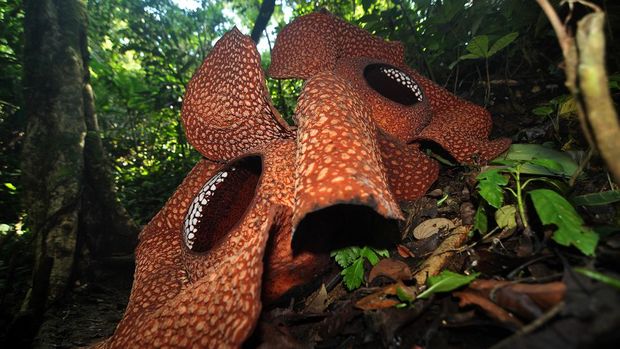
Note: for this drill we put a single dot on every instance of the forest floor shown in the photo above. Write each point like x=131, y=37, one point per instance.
x=557, y=308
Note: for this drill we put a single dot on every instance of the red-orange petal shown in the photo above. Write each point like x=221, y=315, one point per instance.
x=460, y=127
x=341, y=186
x=400, y=110
x=227, y=109
x=410, y=173
x=312, y=44
x=212, y=298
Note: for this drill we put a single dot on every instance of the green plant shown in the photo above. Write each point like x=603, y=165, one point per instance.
x=478, y=48
x=544, y=166
x=446, y=281
x=556, y=108
x=351, y=259
x=611, y=281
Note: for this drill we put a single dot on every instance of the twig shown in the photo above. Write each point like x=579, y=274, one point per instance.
x=533, y=326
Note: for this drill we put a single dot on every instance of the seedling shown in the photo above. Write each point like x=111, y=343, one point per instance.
x=478, y=48
x=351, y=259
x=545, y=166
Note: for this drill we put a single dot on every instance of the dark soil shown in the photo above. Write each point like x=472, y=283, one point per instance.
x=91, y=311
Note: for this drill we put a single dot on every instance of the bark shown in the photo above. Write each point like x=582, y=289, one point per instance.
x=264, y=14
x=586, y=79
x=65, y=175
x=594, y=87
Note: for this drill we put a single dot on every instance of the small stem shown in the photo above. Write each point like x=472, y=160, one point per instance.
x=512, y=192
x=487, y=93
x=520, y=199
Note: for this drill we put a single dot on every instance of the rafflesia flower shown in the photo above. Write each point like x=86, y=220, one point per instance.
x=256, y=215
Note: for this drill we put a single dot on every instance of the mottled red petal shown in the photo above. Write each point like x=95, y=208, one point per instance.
x=397, y=119
x=460, y=127
x=312, y=44
x=341, y=186
x=213, y=299
x=410, y=173
x=227, y=109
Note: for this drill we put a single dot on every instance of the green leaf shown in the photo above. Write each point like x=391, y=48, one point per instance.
x=597, y=199
x=354, y=274
x=504, y=162
x=505, y=217
x=549, y=164
x=4, y=228
x=464, y=57
x=346, y=256
x=382, y=253
x=479, y=46
x=490, y=186
x=552, y=208
x=502, y=42
x=10, y=186
x=352, y=260
x=481, y=223
x=369, y=254
x=611, y=281
x=561, y=186
x=404, y=293
x=545, y=110
x=528, y=152
x=446, y=281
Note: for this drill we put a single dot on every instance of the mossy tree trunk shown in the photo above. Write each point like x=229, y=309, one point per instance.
x=69, y=195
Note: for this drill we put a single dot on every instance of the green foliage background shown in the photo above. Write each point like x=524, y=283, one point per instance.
x=143, y=53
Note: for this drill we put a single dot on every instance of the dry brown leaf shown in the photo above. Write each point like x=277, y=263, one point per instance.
x=526, y=300
x=431, y=227
x=318, y=301
x=392, y=268
x=442, y=254
x=379, y=299
x=404, y=251
x=472, y=297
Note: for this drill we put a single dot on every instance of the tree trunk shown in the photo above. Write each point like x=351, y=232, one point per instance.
x=264, y=15
x=68, y=192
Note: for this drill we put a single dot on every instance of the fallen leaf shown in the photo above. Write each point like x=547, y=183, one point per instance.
x=431, y=227
x=392, y=268
x=467, y=212
x=404, y=252
x=379, y=299
x=317, y=301
x=472, y=297
x=442, y=254
x=278, y=336
x=526, y=300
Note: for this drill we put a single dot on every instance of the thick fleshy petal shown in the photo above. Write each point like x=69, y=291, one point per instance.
x=410, y=173
x=205, y=290
x=312, y=44
x=404, y=103
x=460, y=127
x=398, y=104
x=341, y=188
x=159, y=275
x=227, y=109
x=284, y=269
